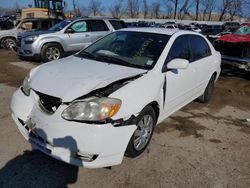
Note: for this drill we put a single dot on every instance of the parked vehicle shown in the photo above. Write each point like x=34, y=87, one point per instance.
x=68, y=36
x=6, y=23
x=169, y=26
x=212, y=37
x=91, y=108
x=193, y=28
x=235, y=48
x=232, y=26
x=8, y=37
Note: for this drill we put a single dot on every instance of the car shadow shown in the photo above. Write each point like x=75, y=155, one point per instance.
x=35, y=169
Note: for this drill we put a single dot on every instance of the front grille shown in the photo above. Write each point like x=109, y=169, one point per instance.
x=47, y=103
x=19, y=41
x=231, y=49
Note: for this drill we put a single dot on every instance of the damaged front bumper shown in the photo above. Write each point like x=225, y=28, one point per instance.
x=76, y=143
x=239, y=63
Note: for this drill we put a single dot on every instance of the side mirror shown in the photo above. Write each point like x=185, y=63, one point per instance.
x=69, y=30
x=178, y=64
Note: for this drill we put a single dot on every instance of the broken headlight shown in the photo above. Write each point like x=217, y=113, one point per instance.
x=26, y=85
x=92, y=109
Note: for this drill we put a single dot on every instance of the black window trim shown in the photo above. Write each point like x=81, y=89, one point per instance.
x=189, y=45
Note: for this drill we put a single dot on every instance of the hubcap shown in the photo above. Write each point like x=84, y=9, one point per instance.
x=143, y=132
x=53, y=53
x=9, y=43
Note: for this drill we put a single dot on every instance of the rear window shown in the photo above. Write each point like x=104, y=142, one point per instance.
x=98, y=25
x=117, y=24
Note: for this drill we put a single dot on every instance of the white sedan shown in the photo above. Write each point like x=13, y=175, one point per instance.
x=94, y=107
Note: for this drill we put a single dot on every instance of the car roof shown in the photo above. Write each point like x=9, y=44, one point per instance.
x=164, y=31
x=95, y=18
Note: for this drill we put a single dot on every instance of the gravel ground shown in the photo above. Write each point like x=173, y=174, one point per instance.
x=201, y=145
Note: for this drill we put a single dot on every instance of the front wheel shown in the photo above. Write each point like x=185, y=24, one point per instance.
x=9, y=43
x=51, y=52
x=206, y=96
x=146, y=121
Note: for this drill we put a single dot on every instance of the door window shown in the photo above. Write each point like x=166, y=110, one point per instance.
x=199, y=47
x=80, y=27
x=179, y=49
x=98, y=25
x=117, y=24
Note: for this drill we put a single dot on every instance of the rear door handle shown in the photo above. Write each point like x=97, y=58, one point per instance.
x=87, y=35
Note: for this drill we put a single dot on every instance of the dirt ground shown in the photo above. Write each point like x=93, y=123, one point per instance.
x=202, y=145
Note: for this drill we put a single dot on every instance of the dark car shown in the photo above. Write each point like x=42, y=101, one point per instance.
x=235, y=48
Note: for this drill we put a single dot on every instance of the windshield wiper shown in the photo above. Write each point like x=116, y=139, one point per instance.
x=118, y=61
x=87, y=55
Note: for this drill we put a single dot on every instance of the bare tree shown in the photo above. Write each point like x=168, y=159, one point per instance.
x=95, y=7
x=145, y=8
x=208, y=7
x=117, y=9
x=155, y=10
x=133, y=8
x=225, y=6
x=235, y=9
x=197, y=4
x=168, y=7
x=175, y=7
x=184, y=10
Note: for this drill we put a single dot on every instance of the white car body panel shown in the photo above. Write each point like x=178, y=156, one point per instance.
x=73, y=77
x=70, y=70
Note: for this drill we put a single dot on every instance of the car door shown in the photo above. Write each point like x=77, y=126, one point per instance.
x=98, y=28
x=202, y=60
x=78, y=35
x=179, y=84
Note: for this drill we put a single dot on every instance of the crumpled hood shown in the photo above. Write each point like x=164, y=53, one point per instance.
x=235, y=38
x=35, y=32
x=72, y=77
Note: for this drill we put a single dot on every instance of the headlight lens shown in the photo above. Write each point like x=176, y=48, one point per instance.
x=30, y=39
x=92, y=109
x=26, y=85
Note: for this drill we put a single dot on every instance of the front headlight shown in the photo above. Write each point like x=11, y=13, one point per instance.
x=30, y=39
x=92, y=109
x=26, y=85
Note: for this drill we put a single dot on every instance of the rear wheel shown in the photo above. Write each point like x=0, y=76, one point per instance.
x=206, y=96
x=51, y=52
x=9, y=43
x=143, y=134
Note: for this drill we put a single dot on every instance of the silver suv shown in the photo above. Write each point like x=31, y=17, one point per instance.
x=8, y=36
x=65, y=38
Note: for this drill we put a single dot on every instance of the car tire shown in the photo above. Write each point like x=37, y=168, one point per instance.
x=51, y=51
x=8, y=43
x=139, y=141
x=206, y=96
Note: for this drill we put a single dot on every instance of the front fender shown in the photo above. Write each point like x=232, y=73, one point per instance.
x=138, y=93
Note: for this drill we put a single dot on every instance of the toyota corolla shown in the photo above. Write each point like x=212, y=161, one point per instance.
x=94, y=107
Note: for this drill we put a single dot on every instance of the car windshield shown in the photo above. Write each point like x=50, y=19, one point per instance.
x=128, y=48
x=245, y=30
x=60, y=25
